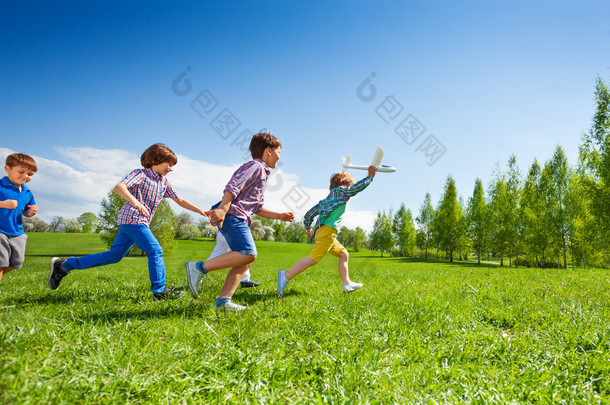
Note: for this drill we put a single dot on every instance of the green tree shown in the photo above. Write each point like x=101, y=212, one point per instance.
x=404, y=231
x=381, y=236
x=477, y=219
x=532, y=211
x=424, y=223
x=594, y=159
x=88, y=222
x=447, y=222
x=560, y=201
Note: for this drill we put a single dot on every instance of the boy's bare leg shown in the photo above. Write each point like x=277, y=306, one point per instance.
x=343, y=268
x=299, y=266
x=231, y=259
x=234, y=276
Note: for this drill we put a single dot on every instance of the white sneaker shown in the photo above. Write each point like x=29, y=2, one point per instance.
x=351, y=286
x=231, y=306
x=193, y=277
x=282, y=282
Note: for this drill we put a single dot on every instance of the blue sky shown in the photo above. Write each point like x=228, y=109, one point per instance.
x=86, y=87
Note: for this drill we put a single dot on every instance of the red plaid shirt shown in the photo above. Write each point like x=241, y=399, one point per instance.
x=148, y=187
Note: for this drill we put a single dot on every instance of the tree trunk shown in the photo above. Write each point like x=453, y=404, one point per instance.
x=565, y=253
x=479, y=256
x=585, y=259
x=501, y=259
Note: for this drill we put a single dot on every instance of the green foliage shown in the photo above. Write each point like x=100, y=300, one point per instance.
x=424, y=223
x=185, y=228
x=404, y=231
x=447, y=224
x=446, y=333
x=352, y=238
x=477, y=219
x=88, y=222
x=381, y=238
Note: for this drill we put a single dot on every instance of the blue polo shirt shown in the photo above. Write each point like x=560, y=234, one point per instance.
x=11, y=221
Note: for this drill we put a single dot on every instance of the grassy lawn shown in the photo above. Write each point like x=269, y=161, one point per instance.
x=417, y=332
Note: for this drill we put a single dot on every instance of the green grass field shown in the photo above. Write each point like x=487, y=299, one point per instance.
x=417, y=332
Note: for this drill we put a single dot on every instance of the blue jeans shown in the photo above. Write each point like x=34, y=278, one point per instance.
x=128, y=235
x=238, y=235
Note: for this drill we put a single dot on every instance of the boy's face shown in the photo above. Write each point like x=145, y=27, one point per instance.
x=162, y=168
x=271, y=156
x=18, y=175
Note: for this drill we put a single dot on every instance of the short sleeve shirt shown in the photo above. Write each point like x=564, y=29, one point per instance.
x=11, y=221
x=149, y=188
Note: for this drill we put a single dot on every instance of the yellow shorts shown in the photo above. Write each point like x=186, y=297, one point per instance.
x=326, y=242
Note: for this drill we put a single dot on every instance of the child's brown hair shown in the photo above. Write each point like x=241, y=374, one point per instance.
x=262, y=141
x=157, y=154
x=341, y=179
x=21, y=159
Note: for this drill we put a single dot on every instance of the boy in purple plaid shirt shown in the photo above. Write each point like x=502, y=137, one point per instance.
x=142, y=190
x=243, y=196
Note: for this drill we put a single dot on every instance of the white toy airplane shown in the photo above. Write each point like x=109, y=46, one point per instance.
x=377, y=158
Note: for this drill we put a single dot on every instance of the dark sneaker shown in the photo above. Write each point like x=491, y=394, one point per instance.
x=168, y=294
x=56, y=273
x=249, y=283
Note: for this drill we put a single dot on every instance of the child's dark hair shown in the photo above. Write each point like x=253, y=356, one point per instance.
x=341, y=179
x=157, y=154
x=21, y=159
x=262, y=141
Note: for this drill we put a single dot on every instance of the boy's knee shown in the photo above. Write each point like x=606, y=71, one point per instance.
x=344, y=255
x=250, y=258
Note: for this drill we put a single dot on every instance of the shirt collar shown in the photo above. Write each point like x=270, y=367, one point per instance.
x=7, y=183
x=152, y=174
x=267, y=169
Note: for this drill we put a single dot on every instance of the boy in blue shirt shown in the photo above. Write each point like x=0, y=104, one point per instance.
x=16, y=200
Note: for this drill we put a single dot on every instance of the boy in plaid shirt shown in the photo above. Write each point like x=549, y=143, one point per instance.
x=329, y=212
x=243, y=196
x=142, y=191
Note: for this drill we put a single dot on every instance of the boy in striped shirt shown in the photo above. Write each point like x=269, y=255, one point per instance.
x=329, y=212
x=243, y=197
x=142, y=191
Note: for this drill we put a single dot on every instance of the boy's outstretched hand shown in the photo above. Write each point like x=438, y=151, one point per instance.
x=287, y=216
x=372, y=171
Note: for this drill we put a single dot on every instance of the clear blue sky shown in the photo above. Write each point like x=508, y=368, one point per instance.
x=486, y=79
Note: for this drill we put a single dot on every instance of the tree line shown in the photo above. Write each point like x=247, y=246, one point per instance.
x=553, y=215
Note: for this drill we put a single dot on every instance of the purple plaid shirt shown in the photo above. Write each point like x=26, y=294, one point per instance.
x=248, y=188
x=148, y=187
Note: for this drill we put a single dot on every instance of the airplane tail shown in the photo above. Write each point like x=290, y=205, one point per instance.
x=347, y=161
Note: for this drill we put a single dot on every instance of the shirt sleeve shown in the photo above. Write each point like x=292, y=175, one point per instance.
x=133, y=178
x=169, y=191
x=310, y=215
x=356, y=188
x=241, y=176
